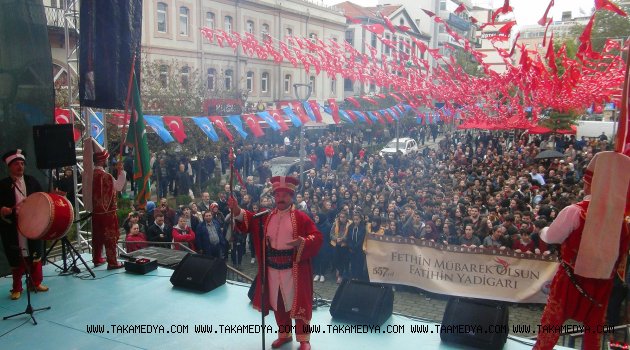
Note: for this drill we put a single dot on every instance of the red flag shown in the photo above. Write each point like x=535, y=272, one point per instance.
x=353, y=101
x=375, y=28
x=119, y=119
x=507, y=28
x=622, y=142
x=176, y=125
x=299, y=110
x=388, y=117
x=543, y=20
x=62, y=116
x=429, y=13
x=370, y=100
x=334, y=108
x=352, y=20
x=403, y=28
x=315, y=108
x=254, y=126
x=379, y=117
x=389, y=24
x=461, y=8
x=608, y=5
x=506, y=6
x=473, y=20
x=277, y=115
x=220, y=123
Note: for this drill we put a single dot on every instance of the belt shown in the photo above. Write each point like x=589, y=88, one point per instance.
x=279, y=259
x=579, y=288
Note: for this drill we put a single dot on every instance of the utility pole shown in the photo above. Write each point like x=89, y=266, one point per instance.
x=307, y=95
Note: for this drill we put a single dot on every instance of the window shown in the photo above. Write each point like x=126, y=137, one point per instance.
x=210, y=20
x=163, y=76
x=373, y=40
x=402, y=22
x=333, y=86
x=287, y=84
x=265, y=32
x=386, y=48
x=348, y=85
x=441, y=29
x=228, y=79
x=162, y=15
x=227, y=24
x=312, y=82
x=185, y=71
x=350, y=36
x=249, y=26
x=372, y=87
x=264, y=82
x=313, y=37
x=210, y=77
x=250, y=81
x=183, y=21
x=442, y=5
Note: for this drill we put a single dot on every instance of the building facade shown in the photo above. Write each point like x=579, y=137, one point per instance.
x=171, y=32
x=362, y=39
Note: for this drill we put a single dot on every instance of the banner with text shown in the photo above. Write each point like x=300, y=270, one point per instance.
x=485, y=273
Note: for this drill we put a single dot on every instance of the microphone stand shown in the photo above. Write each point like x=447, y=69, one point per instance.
x=29, y=308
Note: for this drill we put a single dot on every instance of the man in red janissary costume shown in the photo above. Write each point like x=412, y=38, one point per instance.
x=291, y=241
x=105, y=230
x=594, y=234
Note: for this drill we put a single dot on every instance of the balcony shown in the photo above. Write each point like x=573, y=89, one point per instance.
x=55, y=18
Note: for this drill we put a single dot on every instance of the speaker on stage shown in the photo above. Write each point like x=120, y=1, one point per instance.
x=487, y=320
x=362, y=302
x=199, y=272
x=54, y=146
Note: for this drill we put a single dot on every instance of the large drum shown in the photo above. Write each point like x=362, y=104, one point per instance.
x=46, y=216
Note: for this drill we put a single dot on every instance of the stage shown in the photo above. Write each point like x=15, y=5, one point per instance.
x=119, y=310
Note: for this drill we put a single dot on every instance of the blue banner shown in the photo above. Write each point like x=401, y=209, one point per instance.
x=97, y=127
x=237, y=123
x=373, y=117
x=157, y=124
x=294, y=118
x=206, y=126
x=309, y=111
x=269, y=119
x=361, y=116
x=343, y=114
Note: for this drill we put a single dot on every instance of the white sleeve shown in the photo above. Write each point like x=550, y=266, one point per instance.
x=567, y=220
x=119, y=183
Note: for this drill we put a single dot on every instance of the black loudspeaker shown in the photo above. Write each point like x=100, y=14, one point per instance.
x=54, y=146
x=363, y=302
x=477, y=323
x=199, y=272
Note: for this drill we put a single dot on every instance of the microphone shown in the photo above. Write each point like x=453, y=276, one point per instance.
x=262, y=213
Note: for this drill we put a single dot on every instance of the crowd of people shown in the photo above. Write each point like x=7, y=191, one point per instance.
x=473, y=189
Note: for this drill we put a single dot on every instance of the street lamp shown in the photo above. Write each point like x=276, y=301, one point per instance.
x=308, y=89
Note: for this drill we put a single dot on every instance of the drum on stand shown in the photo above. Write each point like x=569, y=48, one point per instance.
x=45, y=216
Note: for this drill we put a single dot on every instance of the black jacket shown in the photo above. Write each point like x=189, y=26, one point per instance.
x=8, y=230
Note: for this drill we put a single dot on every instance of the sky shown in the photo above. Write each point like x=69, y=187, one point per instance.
x=526, y=11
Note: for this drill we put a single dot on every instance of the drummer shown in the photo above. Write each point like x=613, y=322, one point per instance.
x=21, y=252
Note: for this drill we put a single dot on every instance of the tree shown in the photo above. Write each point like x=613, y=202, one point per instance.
x=608, y=25
x=559, y=120
x=468, y=63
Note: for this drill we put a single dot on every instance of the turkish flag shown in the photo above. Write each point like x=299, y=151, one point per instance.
x=64, y=116
x=353, y=101
x=334, y=108
x=389, y=24
x=119, y=119
x=176, y=125
x=277, y=115
x=220, y=123
x=543, y=20
x=254, y=126
x=388, y=117
x=299, y=110
x=377, y=29
x=461, y=8
x=429, y=13
x=379, y=117
x=315, y=108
